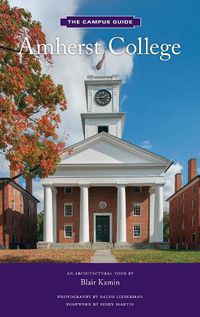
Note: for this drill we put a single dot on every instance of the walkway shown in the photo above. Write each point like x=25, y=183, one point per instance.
x=103, y=256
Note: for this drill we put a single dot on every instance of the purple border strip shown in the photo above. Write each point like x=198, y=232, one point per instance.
x=32, y=289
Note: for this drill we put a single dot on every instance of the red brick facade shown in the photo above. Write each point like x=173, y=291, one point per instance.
x=18, y=217
x=184, y=211
x=184, y=217
x=108, y=195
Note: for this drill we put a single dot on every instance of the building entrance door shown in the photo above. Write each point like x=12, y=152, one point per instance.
x=102, y=228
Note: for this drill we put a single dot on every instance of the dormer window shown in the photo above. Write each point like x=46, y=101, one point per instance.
x=102, y=128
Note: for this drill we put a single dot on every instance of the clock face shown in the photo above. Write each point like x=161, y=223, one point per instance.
x=102, y=97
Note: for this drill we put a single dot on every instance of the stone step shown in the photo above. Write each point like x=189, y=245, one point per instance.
x=102, y=245
x=135, y=246
x=43, y=245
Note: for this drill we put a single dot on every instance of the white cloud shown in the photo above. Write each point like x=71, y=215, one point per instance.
x=124, y=99
x=38, y=193
x=71, y=71
x=169, y=187
x=146, y=144
x=5, y=171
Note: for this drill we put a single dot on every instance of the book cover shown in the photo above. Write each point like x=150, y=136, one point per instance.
x=99, y=183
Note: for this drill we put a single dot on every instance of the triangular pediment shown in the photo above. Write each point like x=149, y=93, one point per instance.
x=104, y=148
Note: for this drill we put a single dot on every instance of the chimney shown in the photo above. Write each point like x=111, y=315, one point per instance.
x=29, y=184
x=14, y=173
x=178, y=181
x=192, y=169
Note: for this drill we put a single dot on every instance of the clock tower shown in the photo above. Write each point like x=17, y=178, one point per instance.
x=103, y=106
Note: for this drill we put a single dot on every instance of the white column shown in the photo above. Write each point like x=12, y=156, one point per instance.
x=151, y=214
x=159, y=213
x=121, y=214
x=48, y=214
x=54, y=214
x=84, y=215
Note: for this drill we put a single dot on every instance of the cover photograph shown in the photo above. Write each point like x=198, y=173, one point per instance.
x=99, y=157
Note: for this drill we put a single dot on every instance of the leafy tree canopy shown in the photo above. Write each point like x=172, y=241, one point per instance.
x=29, y=99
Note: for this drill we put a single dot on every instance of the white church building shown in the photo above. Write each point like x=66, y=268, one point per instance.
x=107, y=190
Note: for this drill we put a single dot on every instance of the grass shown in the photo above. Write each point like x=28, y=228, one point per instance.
x=45, y=256
x=157, y=256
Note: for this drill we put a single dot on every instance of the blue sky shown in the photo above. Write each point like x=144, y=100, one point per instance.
x=163, y=97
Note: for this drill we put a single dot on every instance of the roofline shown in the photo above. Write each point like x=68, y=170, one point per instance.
x=9, y=180
x=172, y=162
x=183, y=187
x=108, y=135
x=113, y=165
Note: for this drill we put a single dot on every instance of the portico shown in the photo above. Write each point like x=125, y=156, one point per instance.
x=155, y=226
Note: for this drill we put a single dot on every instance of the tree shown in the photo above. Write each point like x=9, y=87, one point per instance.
x=166, y=226
x=29, y=99
x=40, y=221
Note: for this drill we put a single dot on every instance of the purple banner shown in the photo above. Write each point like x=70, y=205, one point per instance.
x=100, y=22
x=61, y=290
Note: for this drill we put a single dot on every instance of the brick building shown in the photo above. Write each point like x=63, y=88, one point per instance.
x=107, y=189
x=18, y=214
x=184, y=210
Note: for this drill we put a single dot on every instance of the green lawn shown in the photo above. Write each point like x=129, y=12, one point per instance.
x=157, y=256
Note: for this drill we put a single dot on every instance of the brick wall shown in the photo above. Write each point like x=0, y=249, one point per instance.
x=143, y=220
x=180, y=209
x=63, y=198
x=20, y=221
x=109, y=195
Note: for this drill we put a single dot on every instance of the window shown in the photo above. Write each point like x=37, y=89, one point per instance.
x=137, y=231
x=13, y=220
x=137, y=189
x=68, y=231
x=193, y=204
x=13, y=205
x=68, y=210
x=194, y=237
x=179, y=211
x=184, y=209
x=183, y=195
x=194, y=189
x=68, y=190
x=184, y=240
x=13, y=239
x=21, y=204
x=193, y=221
x=102, y=128
x=13, y=191
x=136, y=209
x=183, y=224
x=178, y=200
